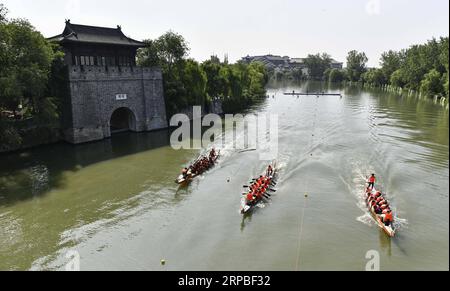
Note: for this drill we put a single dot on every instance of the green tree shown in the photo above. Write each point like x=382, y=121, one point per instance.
x=246, y=85
x=317, y=65
x=374, y=77
x=26, y=59
x=397, y=79
x=150, y=55
x=444, y=59
x=336, y=76
x=297, y=74
x=3, y=12
x=188, y=83
x=215, y=82
x=166, y=51
x=431, y=85
x=194, y=81
x=258, y=79
x=390, y=62
x=356, y=65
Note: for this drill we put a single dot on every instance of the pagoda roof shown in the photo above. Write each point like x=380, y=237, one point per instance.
x=76, y=33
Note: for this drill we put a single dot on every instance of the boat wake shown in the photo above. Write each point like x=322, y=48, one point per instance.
x=356, y=187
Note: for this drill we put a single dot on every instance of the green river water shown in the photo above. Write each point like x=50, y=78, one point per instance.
x=115, y=201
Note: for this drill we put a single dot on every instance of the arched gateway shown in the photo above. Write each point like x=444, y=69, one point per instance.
x=122, y=119
x=107, y=91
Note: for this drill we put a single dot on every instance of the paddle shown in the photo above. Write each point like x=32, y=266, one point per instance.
x=249, y=150
x=264, y=196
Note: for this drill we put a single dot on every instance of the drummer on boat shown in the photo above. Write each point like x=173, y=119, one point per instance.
x=212, y=154
x=371, y=182
x=269, y=171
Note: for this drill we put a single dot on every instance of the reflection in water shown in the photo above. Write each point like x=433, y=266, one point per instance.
x=385, y=243
x=34, y=172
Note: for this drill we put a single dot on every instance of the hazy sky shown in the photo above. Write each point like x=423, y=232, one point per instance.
x=240, y=27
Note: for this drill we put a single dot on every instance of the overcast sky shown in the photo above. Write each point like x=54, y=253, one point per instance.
x=241, y=27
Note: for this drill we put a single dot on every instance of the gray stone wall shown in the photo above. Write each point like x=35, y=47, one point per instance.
x=93, y=100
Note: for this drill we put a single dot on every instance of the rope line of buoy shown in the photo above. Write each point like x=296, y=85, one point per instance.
x=300, y=233
x=305, y=204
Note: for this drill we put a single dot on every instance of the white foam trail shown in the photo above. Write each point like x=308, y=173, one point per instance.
x=357, y=189
x=366, y=219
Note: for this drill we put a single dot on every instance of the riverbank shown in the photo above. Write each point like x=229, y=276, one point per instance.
x=22, y=135
x=398, y=91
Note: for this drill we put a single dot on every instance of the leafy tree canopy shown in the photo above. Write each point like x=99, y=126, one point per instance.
x=356, y=65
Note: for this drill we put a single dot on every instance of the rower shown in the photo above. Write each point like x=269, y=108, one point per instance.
x=387, y=218
x=372, y=181
x=269, y=171
x=212, y=153
x=377, y=209
x=184, y=172
x=250, y=197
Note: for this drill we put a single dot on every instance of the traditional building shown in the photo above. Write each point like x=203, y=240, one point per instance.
x=107, y=92
x=286, y=63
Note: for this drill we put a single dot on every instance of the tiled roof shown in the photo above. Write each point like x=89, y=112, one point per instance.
x=94, y=34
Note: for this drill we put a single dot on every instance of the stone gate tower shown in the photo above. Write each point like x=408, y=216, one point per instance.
x=108, y=92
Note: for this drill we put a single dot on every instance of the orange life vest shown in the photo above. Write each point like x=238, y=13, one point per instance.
x=388, y=217
x=372, y=179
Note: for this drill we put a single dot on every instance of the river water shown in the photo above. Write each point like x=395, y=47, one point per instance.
x=114, y=202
